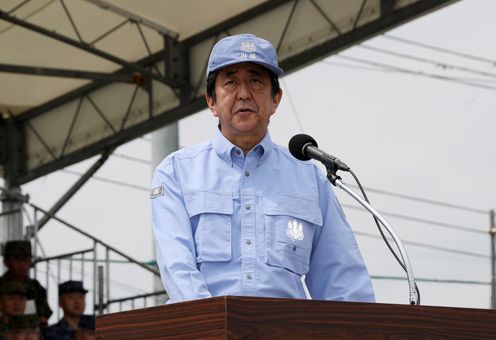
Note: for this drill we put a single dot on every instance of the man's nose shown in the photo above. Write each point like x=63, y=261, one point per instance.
x=244, y=92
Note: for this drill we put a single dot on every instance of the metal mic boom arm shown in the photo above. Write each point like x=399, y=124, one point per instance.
x=414, y=298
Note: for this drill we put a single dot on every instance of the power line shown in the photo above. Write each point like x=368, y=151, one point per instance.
x=387, y=70
x=424, y=200
x=440, y=49
x=130, y=158
x=400, y=278
x=356, y=67
x=428, y=246
x=427, y=61
x=421, y=220
x=107, y=180
x=416, y=72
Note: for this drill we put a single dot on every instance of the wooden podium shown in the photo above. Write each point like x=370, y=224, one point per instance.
x=232, y=317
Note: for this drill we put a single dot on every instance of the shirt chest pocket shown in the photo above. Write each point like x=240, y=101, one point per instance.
x=210, y=215
x=290, y=225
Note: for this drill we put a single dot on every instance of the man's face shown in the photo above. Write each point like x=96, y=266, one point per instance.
x=13, y=304
x=244, y=102
x=73, y=303
x=18, y=265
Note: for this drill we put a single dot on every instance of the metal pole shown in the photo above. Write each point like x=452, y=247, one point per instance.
x=100, y=290
x=82, y=267
x=35, y=250
x=13, y=215
x=46, y=275
x=107, y=277
x=58, y=282
x=95, y=274
x=492, y=234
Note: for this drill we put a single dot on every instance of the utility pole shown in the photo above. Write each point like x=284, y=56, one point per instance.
x=492, y=235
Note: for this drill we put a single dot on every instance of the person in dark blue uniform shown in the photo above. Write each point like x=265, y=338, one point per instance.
x=72, y=297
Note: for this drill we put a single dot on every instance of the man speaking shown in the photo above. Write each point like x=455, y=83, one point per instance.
x=239, y=215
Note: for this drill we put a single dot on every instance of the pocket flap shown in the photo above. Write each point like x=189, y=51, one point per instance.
x=300, y=208
x=199, y=202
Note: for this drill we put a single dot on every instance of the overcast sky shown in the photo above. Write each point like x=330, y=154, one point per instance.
x=399, y=129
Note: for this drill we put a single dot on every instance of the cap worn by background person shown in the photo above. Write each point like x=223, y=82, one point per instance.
x=17, y=248
x=243, y=48
x=11, y=287
x=19, y=322
x=72, y=286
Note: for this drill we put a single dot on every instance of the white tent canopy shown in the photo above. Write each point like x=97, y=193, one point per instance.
x=79, y=77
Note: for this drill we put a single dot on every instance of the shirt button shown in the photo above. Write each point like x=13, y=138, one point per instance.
x=248, y=242
x=248, y=207
x=238, y=152
x=248, y=276
x=247, y=173
x=294, y=248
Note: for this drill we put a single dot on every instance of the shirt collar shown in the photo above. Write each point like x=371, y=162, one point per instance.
x=224, y=148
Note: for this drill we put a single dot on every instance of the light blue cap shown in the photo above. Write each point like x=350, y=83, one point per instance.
x=243, y=48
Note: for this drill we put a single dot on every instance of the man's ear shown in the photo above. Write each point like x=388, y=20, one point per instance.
x=211, y=104
x=276, y=100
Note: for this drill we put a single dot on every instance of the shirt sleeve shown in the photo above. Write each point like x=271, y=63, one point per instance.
x=337, y=270
x=41, y=302
x=176, y=254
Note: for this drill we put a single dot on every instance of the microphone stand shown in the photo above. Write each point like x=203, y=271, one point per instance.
x=336, y=181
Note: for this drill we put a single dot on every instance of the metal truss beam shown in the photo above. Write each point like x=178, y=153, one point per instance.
x=195, y=102
x=387, y=6
x=77, y=74
x=136, y=18
x=88, y=48
x=387, y=21
x=118, y=138
x=234, y=21
x=83, y=90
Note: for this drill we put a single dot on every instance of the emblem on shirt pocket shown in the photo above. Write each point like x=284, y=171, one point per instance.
x=295, y=230
x=156, y=192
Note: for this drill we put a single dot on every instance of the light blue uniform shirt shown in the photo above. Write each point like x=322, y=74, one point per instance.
x=230, y=224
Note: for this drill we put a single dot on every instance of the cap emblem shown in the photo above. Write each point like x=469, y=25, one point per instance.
x=248, y=46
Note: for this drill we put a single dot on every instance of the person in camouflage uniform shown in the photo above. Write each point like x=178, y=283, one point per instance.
x=17, y=259
x=72, y=296
x=13, y=297
x=24, y=327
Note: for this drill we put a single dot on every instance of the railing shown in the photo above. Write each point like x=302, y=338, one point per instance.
x=159, y=298
x=91, y=265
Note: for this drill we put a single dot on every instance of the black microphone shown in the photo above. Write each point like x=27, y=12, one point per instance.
x=304, y=147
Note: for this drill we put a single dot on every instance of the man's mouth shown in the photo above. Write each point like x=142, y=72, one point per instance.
x=244, y=110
